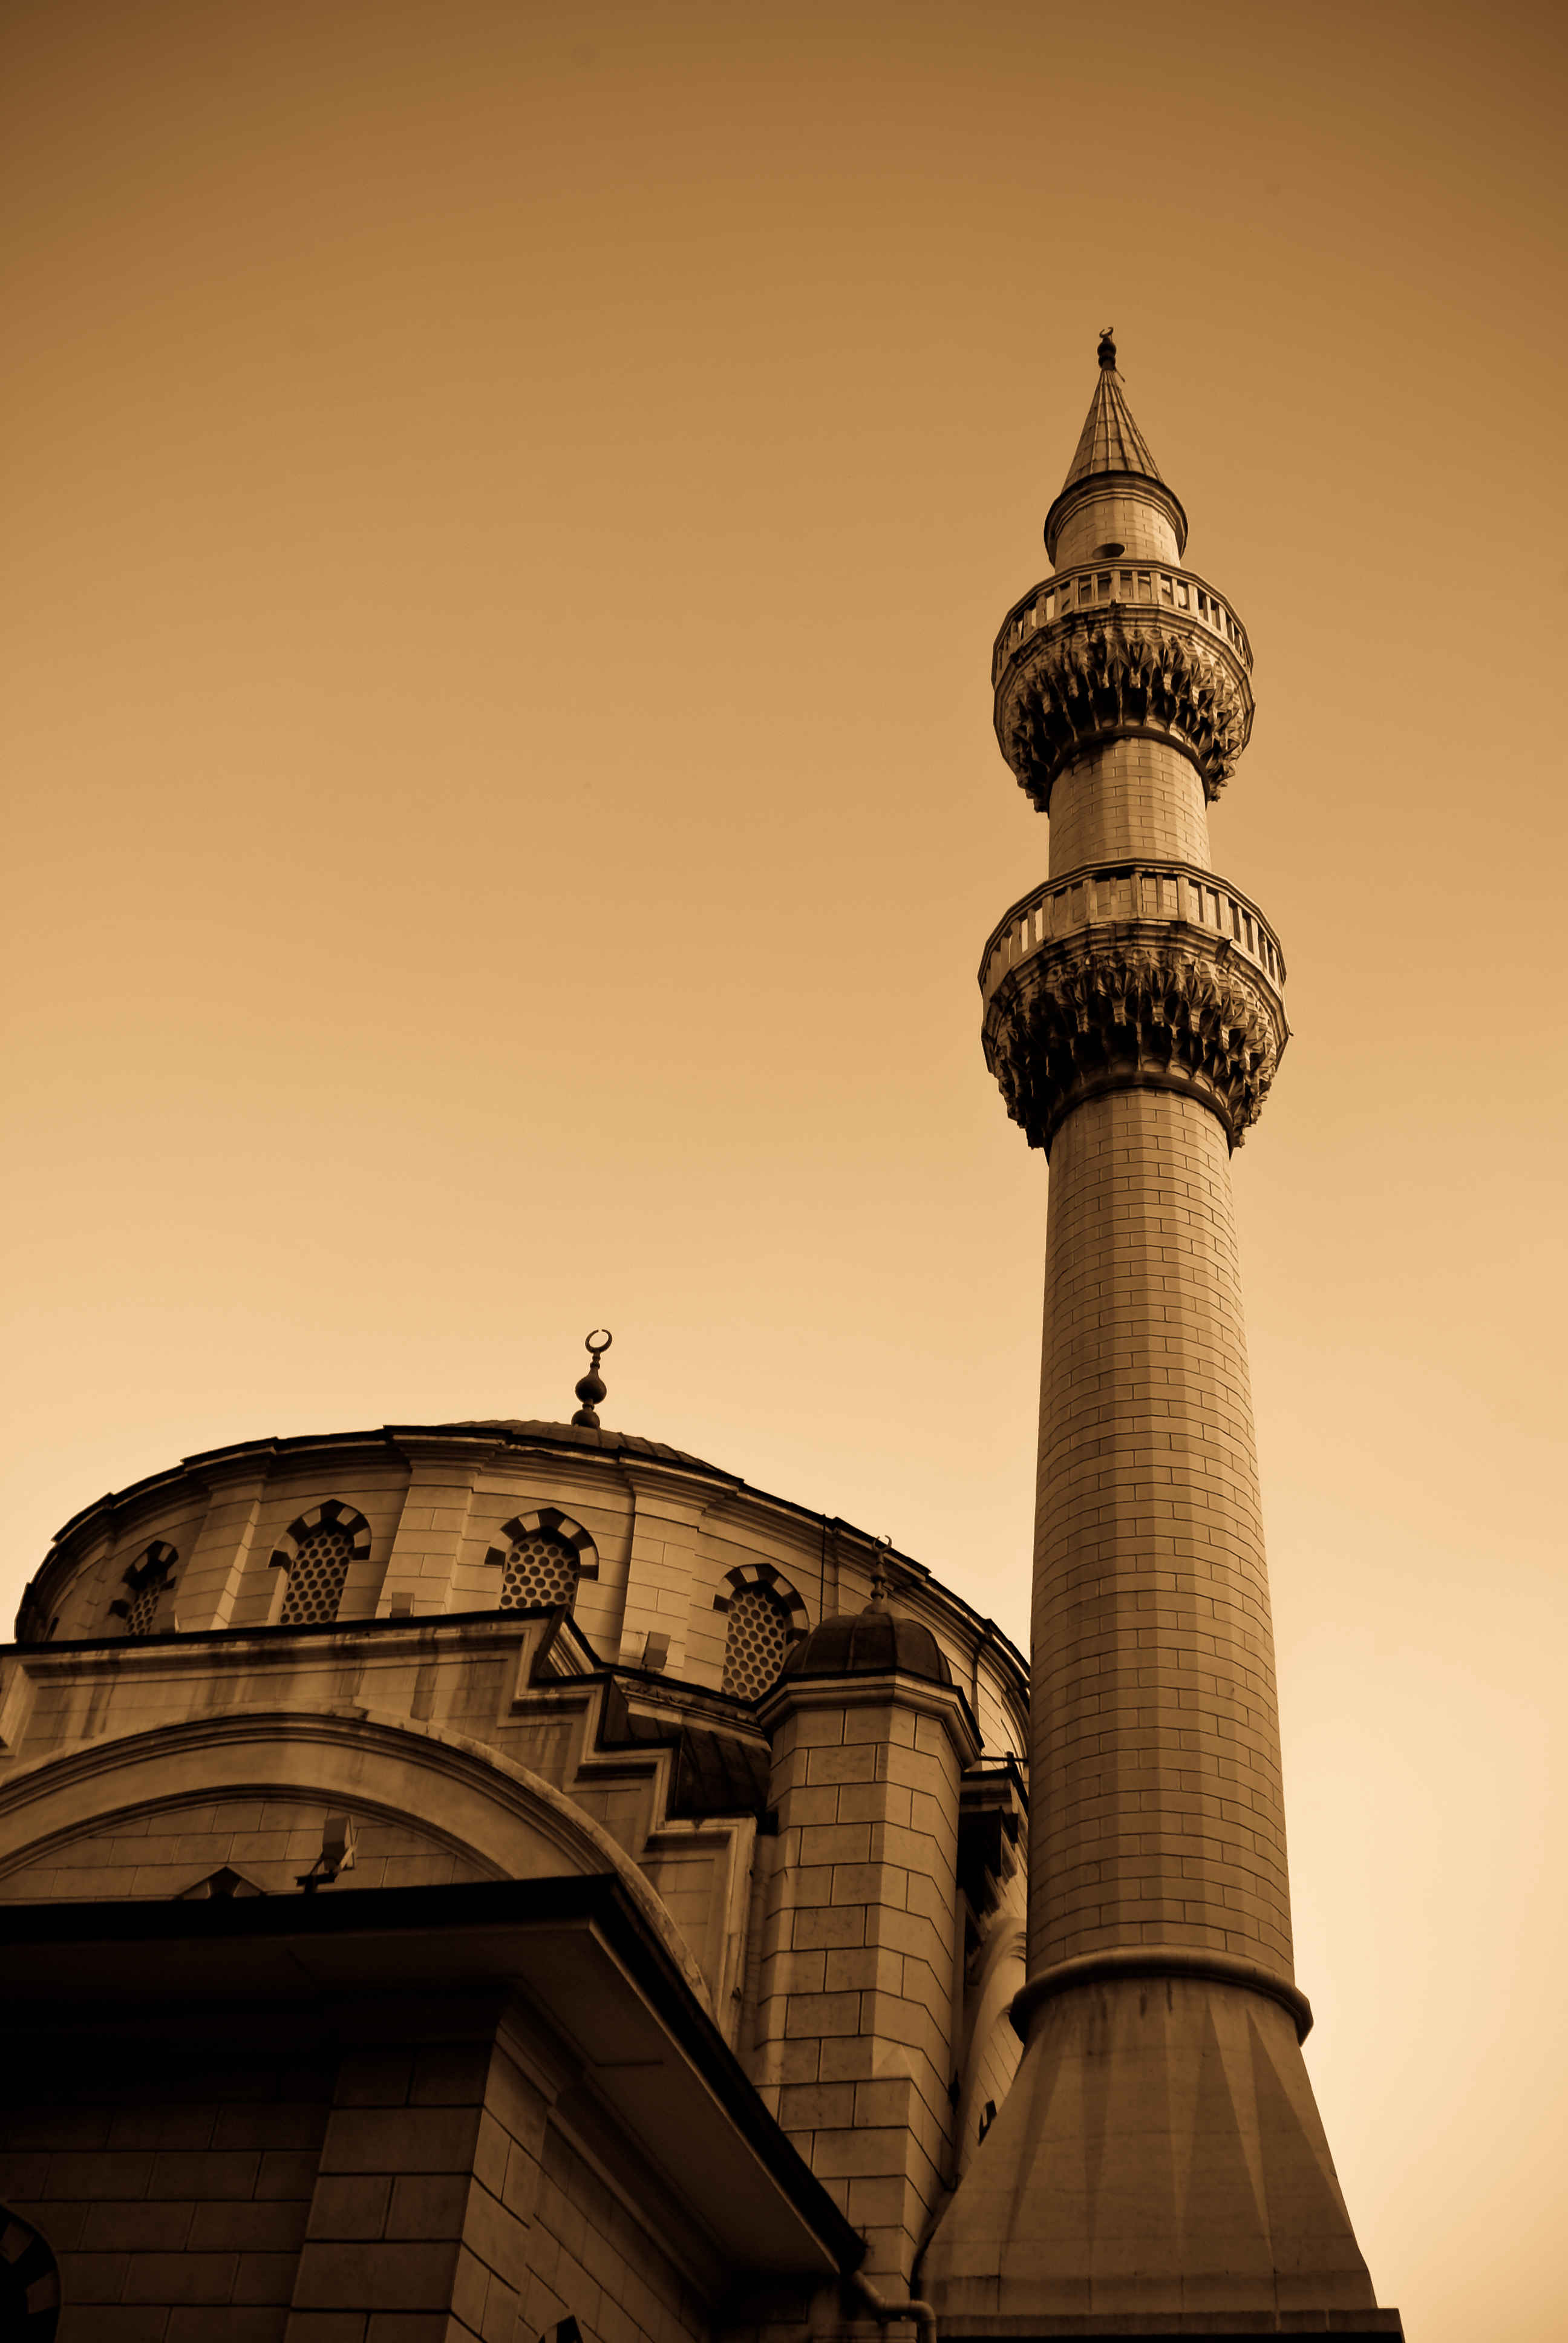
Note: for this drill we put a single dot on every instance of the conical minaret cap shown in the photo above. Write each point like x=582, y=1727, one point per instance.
x=1110, y=446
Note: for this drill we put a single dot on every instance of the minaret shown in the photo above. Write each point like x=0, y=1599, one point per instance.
x=1159, y=2162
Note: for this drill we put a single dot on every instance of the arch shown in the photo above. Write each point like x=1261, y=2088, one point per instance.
x=766, y=1620
x=316, y=1551
x=147, y=1581
x=546, y=1554
x=29, y=2282
x=763, y=1574
x=500, y=1815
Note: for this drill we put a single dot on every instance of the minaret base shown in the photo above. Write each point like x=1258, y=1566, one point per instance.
x=1159, y=2167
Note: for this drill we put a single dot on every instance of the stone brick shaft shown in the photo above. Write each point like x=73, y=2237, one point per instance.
x=1128, y=798
x=1156, y=1759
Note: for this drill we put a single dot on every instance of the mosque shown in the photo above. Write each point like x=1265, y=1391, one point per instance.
x=514, y=1880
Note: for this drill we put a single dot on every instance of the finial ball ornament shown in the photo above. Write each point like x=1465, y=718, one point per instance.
x=591, y=1389
x=1106, y=352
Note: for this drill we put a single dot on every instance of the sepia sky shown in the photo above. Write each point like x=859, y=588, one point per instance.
x=506, y=514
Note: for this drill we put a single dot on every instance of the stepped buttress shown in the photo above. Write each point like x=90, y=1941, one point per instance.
x=1159, y=2165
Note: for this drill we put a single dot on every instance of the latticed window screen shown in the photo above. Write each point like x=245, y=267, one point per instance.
x=143, y=1608
x=757, y=1639
x=315, y=1580
x=541, y=1568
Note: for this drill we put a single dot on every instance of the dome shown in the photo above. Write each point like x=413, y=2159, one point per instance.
x=870, y=1643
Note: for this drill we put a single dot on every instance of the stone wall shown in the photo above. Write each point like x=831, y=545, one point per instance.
x=270, y=1842
x=593, y=2257
x=388, y=2193
x=173, y=2188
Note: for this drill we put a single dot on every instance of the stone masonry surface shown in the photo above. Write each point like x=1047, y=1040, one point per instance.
x=855, y=2016
x=387, y=2194
x=1156, y=1768
x=1097, y=513
x=1128, y=798
x=174, y=2188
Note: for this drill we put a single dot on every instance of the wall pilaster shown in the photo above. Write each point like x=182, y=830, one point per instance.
x=430, y=1528
x=665, y=1526
x=208, y=1584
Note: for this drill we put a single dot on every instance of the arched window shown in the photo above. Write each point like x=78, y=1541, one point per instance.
x=147, y=1583
x=29, y=2283
x=320, y=1548
x=545, y=1556
x=766, y=1617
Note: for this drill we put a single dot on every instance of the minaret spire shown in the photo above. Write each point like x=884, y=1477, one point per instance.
x=1160, y=2161
x=1113, y=459
x=1110, y=440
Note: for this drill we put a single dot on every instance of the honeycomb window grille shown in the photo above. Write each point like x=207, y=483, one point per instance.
x=545, y=1559
x=320, y=1548
x=145, y=1584
x=143, y=1608
x=757, y=1642
x=316, y=1581
x=538, y=1569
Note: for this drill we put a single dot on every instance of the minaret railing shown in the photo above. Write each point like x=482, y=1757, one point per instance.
x=1142, y=889
x=1180, y=593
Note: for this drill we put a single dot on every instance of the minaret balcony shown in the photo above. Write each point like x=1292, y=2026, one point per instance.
x=1180, y=593
x=1107, y=891
x=1134, y=974
x=1121, y=648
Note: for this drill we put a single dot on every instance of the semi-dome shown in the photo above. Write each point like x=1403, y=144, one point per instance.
x=870, y=1643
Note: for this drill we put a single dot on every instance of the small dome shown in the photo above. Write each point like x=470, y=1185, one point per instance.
x=870, y=1643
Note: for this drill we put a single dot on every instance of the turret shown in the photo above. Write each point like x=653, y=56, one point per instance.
x=1113, y=502
x=861, y=1943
